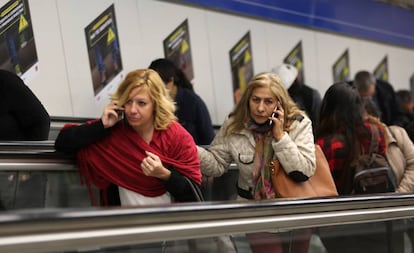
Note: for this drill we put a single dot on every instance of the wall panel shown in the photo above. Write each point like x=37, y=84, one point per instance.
x=156, y=21
x=64, y=82
x=224, y=31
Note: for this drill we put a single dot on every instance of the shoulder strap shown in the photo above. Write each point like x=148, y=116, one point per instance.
x=392, y=133
x=373, y=148
x=196, y=190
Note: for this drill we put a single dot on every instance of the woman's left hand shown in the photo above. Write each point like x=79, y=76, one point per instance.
x=278, y=122
x=152, y=166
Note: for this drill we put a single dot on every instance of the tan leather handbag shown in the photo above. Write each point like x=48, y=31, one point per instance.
x=321, y=184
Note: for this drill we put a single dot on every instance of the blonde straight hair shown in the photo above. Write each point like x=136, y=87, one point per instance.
x=241, y=112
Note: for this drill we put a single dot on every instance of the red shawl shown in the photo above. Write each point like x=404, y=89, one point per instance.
x=116, y=159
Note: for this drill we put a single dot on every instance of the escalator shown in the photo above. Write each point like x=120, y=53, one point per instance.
x=47, y=209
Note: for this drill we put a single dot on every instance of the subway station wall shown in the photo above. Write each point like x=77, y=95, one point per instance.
x=64, y=84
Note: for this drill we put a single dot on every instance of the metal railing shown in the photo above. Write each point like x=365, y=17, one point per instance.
x=33, y=155
x=43, y=230
x=51, y=231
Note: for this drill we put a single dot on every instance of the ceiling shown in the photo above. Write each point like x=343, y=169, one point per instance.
x=406, y=4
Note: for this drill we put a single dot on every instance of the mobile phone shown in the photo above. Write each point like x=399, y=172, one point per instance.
x=274, y=115
x=120, y=113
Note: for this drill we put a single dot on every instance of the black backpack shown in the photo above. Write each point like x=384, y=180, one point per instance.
x=373, y=174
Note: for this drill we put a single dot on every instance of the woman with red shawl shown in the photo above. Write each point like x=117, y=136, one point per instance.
x=137, y=145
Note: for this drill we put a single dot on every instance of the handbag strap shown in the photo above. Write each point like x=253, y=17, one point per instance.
x=373, y=148
x=395, y=138
x=196, y=190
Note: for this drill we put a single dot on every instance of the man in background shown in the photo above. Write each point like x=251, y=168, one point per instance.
x=307, y=98
x=406, y=102
x=383, y=95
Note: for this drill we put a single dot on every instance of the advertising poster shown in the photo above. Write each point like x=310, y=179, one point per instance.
x=340, y=69
x=177, y=48
x=381, y=71
x=104, y=52
x=295, y=58
x=17, y=45
x=241, y=62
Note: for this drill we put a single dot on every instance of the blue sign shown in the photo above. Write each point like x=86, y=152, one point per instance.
x=367, y=19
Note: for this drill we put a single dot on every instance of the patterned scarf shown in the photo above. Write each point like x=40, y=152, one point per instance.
x=263, y=154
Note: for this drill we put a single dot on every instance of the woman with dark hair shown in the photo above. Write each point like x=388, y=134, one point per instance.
x=344, y=129
x=342, y=132
x=191, y=111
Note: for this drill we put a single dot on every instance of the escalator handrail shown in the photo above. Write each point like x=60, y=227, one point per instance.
x=58, y=230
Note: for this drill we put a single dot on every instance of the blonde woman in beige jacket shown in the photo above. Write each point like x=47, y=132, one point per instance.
x=400, y=155
x=266, y=124
x=250, y=138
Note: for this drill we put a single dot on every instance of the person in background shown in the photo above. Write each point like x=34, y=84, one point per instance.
x=191, y=111
x=251, y=138
x=365, y=82
x=23, y=118
x=386, y=99
x=382, y=93
x=342, y=131
x=400, y=151
x=306, y=97
x=137, y=144
x=406, y=103
x=400, y=156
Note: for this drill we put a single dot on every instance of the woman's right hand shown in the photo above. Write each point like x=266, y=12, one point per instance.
x=110, y=116
x=278, y=122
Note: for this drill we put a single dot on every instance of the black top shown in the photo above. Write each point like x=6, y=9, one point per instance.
x=387, y=102
x=193, y=115
x=22, y=115
x=308, y=99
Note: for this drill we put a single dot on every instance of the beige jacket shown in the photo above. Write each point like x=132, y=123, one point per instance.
x=400, y=155
x=295, y=151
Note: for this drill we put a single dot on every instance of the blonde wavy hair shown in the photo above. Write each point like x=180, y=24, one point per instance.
x=241, y=112
x=148, y=79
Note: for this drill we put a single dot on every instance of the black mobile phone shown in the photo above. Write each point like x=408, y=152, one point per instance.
x=120, y=113
x=274, y=115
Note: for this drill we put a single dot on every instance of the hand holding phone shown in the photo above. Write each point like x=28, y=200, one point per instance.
x=274, y=115
x=120, y=113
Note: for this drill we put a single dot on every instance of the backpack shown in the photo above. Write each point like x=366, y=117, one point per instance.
x=373, y=174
